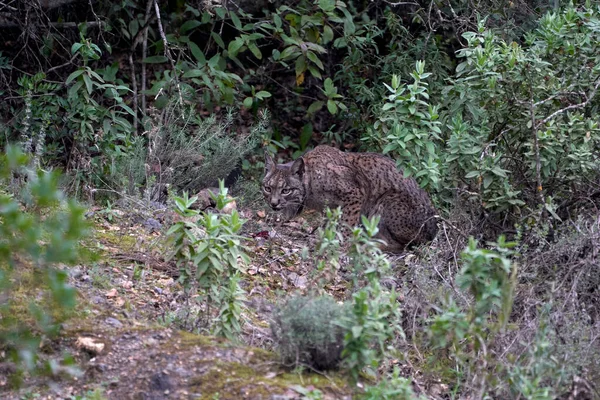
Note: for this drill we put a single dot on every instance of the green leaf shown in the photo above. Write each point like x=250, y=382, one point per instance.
x=332, y=107
x=472, y=174
x=155, y=60
x=236, y=21
x=289, y=52
x=193, y=73
x=75, y=47
x=74, y=75
x=330, y=89
x=161, y=102
x=315, y=106
x=127, y=108
x=255, y=50
x=248, y=102
x=217, y=38
x=88, y=83
x=306, y=135
x=277, y=20
x=313, y=57
x=300, y=65
x=214, y=60
x=327, y=5
x=263, y=94
x=197, y=53
x=315, y=72
x=487, y=181
x=221, y=12
x=234, y=46
x=327, y=34
x=349, y=28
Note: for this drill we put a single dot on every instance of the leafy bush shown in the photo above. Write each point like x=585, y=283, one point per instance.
x=531, y=102
x=81, y=124
x=35, y=237
x=210, y=255
x=186, y=153
x=306, y=333
x=374, y=318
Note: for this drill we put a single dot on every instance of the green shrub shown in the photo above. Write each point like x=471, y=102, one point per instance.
x=186, y=153
x=372, y=319
x=36, y=235
x=392, y=387
x=211, y=257
x=306, y=333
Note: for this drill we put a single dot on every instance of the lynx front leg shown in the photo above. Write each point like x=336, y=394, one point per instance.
x=351, y=212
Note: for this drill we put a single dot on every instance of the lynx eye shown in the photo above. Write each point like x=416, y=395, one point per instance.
x=286, y=191
x=267, y=189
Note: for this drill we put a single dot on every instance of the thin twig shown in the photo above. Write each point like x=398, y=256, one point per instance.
x=572, y=106
x=536, y=147
x=403, y=3
x=166, y=50
x=144, y=54
x=135, y=92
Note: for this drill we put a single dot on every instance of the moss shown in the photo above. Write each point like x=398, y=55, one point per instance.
x=120, y=239
x=233, y=380
x=188, y=339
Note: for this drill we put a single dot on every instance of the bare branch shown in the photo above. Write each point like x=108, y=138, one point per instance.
x=572, y=106
x=561, y=94
x=403, y=3
x=7, y=24
x=144, y=54
x=167, y=52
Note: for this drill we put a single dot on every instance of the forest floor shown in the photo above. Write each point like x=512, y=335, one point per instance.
x=125, y=337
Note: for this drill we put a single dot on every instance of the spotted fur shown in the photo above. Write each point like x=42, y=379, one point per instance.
x=359, y=183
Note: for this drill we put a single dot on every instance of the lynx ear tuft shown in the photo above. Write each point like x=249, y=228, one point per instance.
x=269, y=163
x=298, y=167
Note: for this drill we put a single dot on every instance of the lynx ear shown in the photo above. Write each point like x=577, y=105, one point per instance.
x=298, y=167
x=269, y=163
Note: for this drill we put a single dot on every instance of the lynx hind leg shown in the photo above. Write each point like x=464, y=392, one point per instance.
x=402, y=224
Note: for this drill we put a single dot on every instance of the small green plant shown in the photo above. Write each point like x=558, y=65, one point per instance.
x=96, y=394
x=374, y=317
x=108, y=212
x=308, y=393
x=329, y=244
x=306, y=334
x=35, y=235
x=411, y=130
x=392, y=387
x=490, y=277
x=210, y=255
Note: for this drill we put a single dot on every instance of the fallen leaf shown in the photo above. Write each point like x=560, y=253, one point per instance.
x=261, y=214
x=111, y=293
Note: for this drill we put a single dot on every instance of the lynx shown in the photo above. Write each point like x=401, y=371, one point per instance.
x=359, y=183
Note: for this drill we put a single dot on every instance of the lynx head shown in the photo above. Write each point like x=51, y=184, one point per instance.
x=282, y=186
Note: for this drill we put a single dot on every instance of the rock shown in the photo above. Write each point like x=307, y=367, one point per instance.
x=161, y=382
x=75, y=272
x=298, y=280
x=91, y=345
x=113, y=322
x=152, y=225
